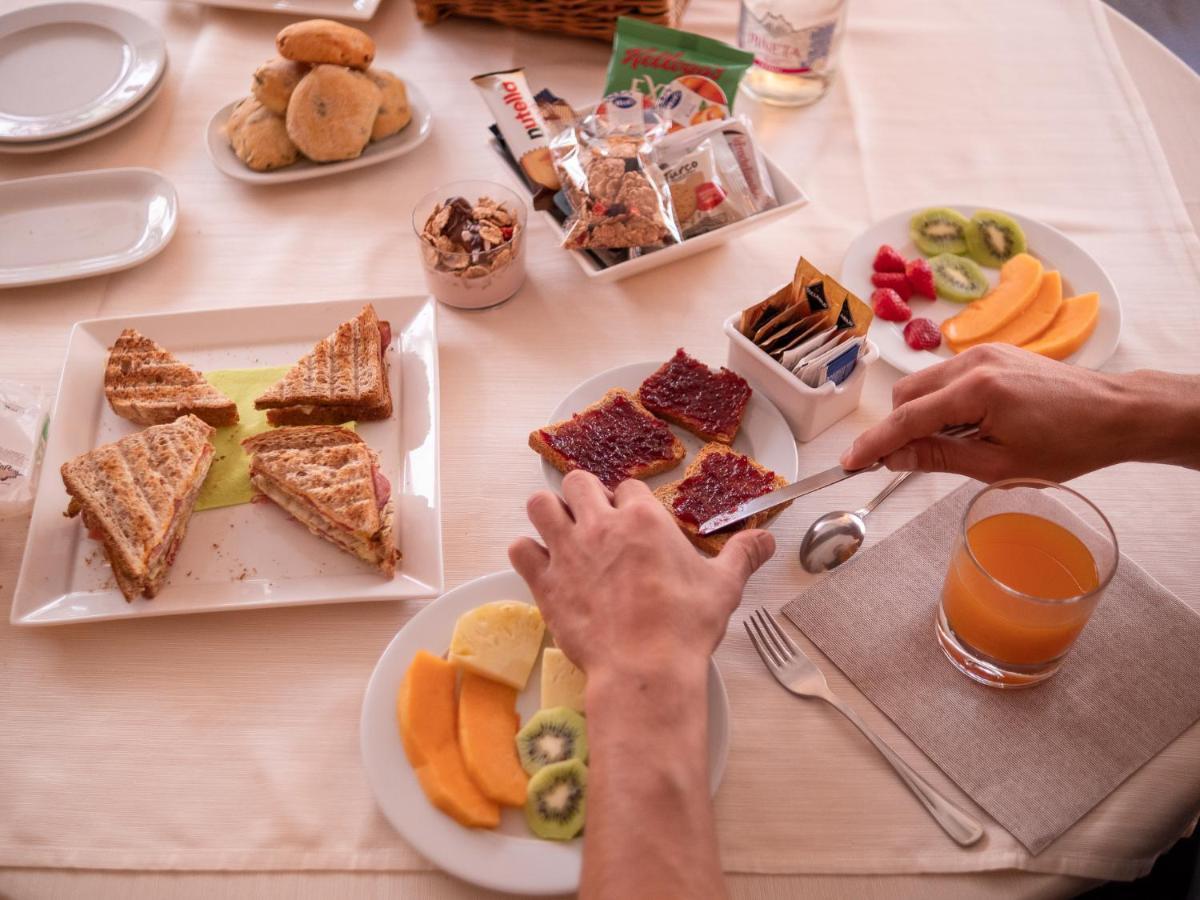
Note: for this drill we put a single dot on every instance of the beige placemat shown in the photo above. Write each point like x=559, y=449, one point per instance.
x=1035, y=759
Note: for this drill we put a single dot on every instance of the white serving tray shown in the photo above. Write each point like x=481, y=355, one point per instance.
x=407, y=140
x=253, y=555
x=787, y=192
x=61, y=227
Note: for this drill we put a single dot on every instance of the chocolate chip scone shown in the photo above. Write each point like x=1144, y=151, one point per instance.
x=274, y=82
x=332, y=112
x=394, y=111
x=318, y=41
x=259, y=137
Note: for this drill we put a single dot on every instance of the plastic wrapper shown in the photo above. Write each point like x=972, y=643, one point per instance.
x=617, y=192
x=23, y=419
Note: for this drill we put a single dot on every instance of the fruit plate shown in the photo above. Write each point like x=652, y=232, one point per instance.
x=1081, y=274
x=405, y=141
x=764, y=435
x=509, y=858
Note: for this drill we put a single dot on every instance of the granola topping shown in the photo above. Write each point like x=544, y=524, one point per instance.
x=470, y=239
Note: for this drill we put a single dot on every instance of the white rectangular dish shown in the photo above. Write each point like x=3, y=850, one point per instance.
x=808, y=411
x=62, y=227
x=787, y=192
x=253, y=555
x=357, y=10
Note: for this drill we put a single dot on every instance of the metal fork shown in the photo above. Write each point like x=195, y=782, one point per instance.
x=800, y=676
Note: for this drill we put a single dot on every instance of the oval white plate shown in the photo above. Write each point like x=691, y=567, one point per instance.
x=74, y=140
x=68, y=67
x=1081, y=274
x=61, y=227
x=764, y=434
x=405, y=141
x=510, y=858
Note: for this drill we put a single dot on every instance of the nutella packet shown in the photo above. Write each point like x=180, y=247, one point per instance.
x=508, y=96
x=617, y=192
x=690, y=79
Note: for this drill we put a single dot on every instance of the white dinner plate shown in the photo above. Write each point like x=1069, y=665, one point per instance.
x=411, y=137
x=252, y=555
x=764, y=435
x=509, y=858
x=83, y=137
x=1081, y=274
x=68, y=67
x=62, y=227
x=359, y=10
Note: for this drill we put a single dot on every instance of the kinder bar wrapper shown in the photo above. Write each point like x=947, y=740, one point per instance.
x=692, y=79
x=508, y=96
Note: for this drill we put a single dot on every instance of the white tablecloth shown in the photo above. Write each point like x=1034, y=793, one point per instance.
x=876, y=144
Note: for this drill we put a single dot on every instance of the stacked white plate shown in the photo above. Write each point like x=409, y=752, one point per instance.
x=73, y=72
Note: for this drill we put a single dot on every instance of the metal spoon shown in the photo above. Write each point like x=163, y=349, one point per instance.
x=836, y=536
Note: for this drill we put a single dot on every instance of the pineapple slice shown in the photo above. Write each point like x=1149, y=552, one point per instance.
x=562, y=683
x=499, y=640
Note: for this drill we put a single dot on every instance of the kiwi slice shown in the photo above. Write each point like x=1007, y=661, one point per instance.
x=556, y=800
x=993, y=238
x=958, y=278
x=939, y=230
x=552, y=736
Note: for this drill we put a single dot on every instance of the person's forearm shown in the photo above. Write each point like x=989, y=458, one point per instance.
x=649, y=829
x=1159, y=418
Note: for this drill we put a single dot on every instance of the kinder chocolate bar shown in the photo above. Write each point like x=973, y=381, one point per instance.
x=692, y=79
x=516, y=112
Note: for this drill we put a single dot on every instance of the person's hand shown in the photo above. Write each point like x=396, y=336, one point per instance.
x=1037, y=418
x=620, y=586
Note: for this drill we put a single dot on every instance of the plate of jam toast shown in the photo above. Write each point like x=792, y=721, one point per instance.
x=703, y=439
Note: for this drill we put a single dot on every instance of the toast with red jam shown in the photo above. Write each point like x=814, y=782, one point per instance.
x=708, y=403
x=718, y=480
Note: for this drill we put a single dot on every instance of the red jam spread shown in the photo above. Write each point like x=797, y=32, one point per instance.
x=713, y=402
x=612, y=441
x=725, y=481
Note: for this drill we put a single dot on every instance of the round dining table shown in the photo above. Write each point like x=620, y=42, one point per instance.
x=92, y=803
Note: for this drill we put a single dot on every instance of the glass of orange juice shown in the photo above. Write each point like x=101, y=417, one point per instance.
x=1030, y=563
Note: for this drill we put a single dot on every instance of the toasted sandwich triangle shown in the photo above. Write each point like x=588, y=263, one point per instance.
x=337, y=481
x=148, y=384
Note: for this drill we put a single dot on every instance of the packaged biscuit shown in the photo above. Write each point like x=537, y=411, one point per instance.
x=556, y=112
x=616, y=190
x=516, y=112
x=690, y=79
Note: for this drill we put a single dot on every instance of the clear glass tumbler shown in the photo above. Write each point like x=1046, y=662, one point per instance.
x=1030, y=562
x=482, y=275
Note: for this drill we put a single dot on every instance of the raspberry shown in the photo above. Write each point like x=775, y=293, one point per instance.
x=922, y=334
x=598, y=208
x=897, y=281
x=888, y=305
x=920, y=276
x=888, y=260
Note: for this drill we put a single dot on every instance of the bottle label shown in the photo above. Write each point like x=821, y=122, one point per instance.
x=779, y=47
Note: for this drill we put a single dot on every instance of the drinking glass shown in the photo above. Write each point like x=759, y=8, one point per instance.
x=1031, y=561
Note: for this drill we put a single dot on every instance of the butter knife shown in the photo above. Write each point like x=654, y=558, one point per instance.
x=807, y=486
x=782, y=495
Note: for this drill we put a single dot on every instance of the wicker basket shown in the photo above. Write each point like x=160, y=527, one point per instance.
x=584, y=18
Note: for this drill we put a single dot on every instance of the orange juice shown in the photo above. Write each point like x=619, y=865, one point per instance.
x=1040, y=560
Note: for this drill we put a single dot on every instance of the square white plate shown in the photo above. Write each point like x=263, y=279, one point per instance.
x=358, y=10
x=253, y=555
x=787, y=192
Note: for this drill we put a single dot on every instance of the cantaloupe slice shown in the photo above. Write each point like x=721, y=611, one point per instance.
x=487, y=733
x=1031, y=323
x=1020, y=279
x=1074, y=324
x=426, y=710
x=446, y=783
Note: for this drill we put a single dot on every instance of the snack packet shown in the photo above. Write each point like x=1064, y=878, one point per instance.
x=23, y=422
x=690, y=79
x=616, y=189
x=556, y=112
x=508, y=96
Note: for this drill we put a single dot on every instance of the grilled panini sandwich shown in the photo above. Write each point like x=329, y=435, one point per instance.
x=136, y=497
x=328, y=480
x=146, y=384
x=344, y=378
